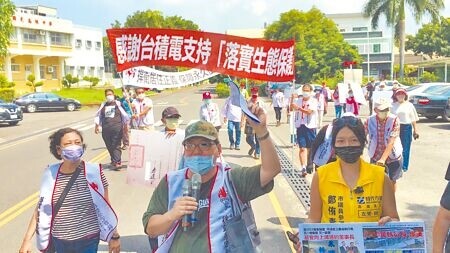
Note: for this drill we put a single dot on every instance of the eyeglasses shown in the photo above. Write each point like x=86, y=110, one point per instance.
x=203, y=146
x=346, y=120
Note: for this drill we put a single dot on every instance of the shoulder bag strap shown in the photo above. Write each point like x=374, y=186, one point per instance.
x=65, y=191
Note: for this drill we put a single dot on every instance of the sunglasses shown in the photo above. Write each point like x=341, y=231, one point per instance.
x=346, y=121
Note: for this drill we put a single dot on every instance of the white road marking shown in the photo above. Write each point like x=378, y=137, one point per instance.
x=162, y=103
x=37, y=131
x=86, y=128
x=77, y=126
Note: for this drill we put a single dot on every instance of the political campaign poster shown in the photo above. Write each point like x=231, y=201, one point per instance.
x=151, y=155
x=366, y=237
x=226, y=54
x=356, y=89
x=155, y=79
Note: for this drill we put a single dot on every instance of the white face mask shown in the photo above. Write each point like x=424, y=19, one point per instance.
x=110, y=98
x=306, y=94
x=141, y=96
x=172, y=124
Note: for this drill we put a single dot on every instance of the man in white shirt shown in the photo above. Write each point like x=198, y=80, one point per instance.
x=209, y=111
x=278, y=103
x=142, y=117
x=305, y=109
x=233, y=114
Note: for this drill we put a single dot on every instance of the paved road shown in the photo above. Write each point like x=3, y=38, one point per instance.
x=24, y=154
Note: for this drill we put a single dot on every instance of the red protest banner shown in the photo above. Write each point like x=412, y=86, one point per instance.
x=237, y=56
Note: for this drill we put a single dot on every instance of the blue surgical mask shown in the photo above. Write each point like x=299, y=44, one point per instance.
x=200, y=164
x=72, y=153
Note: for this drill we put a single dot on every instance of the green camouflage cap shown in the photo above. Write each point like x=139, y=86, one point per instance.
x=201, y=128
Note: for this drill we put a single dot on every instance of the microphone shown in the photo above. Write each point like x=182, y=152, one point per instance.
x=185, y=222
x=196, y=184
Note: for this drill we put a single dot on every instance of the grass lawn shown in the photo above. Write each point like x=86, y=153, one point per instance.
x=89, y=96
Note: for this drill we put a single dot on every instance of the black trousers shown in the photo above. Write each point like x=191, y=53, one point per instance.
x=278, y=113
x=112, y=136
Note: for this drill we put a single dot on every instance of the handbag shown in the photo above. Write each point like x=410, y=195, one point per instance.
x=51, y=247
x=241, y=231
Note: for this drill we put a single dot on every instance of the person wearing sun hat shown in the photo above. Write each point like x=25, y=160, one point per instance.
x=407, y=115
x=214, y=206
x=209, y=111
x=385, y=148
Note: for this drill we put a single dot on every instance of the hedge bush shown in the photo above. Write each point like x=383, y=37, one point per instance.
x=7, y=94
x=222, y=90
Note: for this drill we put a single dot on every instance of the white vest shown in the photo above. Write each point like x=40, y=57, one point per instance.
x=310, y=121
x=372, y=126
x=210, y=113
x=107, y=219
x=325, y=149
x=125, y=117
x=219, y=209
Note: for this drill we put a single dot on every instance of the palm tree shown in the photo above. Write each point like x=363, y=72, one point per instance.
x=394, y=11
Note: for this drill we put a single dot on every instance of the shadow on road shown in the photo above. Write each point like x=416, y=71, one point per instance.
x=445, y=126
x=293, y=221
x=131, y=243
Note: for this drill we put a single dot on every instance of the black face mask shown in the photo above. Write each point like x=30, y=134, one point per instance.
x=349, y=154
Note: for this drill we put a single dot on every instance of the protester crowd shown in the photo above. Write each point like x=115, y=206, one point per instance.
x=206, y=221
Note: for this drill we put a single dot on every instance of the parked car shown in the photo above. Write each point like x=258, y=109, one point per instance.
x=272, y=86
x=447, y=109
x=46, y=101
x=424, y=88
x=389, y=84
x=10, y=113
x=433, y=104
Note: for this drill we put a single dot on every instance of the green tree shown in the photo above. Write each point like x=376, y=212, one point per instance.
x=320, y=49
x=394, y=11
x=68, y=80
x=31, y=81
x=432, y=39
x=428, y=77
x=148, y=19
x=7, y=9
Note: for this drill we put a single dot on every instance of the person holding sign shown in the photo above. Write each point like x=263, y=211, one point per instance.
x=441, y=228
x=338, y=187
x=215, y=205
x=142, y=106
x=209, y=111
x=73, y=212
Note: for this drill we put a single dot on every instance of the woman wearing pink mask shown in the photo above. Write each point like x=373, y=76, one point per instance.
x=407, y=115
x=73, y=198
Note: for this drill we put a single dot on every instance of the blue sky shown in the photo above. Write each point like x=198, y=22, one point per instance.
x=210, y=15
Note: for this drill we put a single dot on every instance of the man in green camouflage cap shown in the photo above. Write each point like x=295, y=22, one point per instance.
x=202, y=155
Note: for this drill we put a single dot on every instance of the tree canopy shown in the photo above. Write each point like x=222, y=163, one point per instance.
x=432, y=39
x=148, y=19
x=320, y=49
x=7, y=9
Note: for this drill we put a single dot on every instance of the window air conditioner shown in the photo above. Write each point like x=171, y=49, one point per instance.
x=50, y=69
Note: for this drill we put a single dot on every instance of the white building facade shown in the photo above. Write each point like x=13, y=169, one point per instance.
x=49, y=47
x=375, y=46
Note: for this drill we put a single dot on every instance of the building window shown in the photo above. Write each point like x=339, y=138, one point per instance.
x=13, y=37
x=98, y=45
x=54, y=72
x=80, y=71
x=15, y=67
x=88, y=44
x=342, y=30
x=100, y=72
x=42, y=71
x=60, y=39
x=91, y=71
x=33, y=36
x=78, y=43
x=376, y=48
x=359, y=29
x=28, y=68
